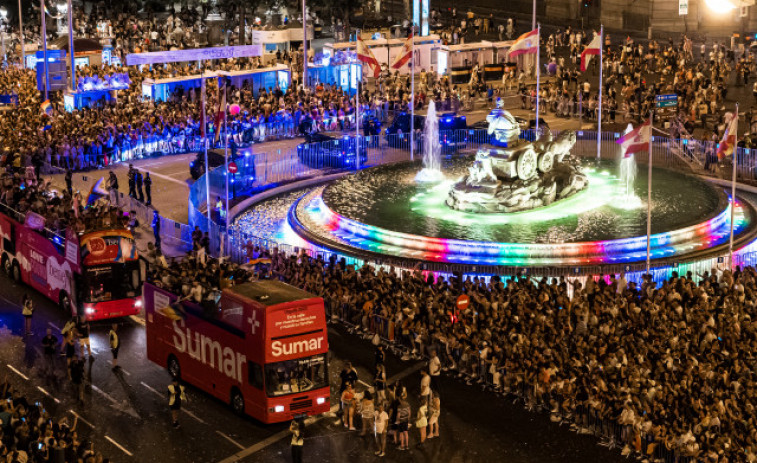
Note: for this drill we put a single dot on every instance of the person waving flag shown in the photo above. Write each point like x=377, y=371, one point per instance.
x=728, y=143
x=405, y=53
x=526, y=43
x=46, y=108
x=364, y=55
x=592, y=49
x=637, y=139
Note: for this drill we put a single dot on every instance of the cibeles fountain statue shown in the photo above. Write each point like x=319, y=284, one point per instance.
x=513, y=175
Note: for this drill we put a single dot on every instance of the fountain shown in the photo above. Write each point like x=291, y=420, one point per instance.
x=515, y=204
x=512, y=175
x=628, y=197
x=432, y=150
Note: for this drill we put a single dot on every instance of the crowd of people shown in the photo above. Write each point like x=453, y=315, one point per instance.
x=635, y=73
x=29, y=433
x=670, y=362
x=53, y=210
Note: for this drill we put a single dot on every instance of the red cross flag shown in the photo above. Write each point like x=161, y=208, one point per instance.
x=365, y=55
x=405, y=53
x=637, y=139
x=592, y=49
x=728, y=143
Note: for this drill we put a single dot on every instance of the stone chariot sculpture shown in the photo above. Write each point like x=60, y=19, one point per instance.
x=512, y=175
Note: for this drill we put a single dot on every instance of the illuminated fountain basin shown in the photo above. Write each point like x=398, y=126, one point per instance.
x=383, y=212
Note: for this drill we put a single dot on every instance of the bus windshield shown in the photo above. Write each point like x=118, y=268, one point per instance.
x=112, y=282
x=293, y=376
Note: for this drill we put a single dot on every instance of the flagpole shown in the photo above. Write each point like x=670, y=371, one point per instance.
x=357, y=106
x=205, y=143
x=226, y=159
x=44, y=48
x=734, y=160
x=649, y=190
x=21, y=36
x=412, y=95
x=538, y=45
x=599, y=113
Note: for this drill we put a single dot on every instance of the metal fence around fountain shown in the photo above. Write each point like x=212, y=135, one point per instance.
x=260, y=171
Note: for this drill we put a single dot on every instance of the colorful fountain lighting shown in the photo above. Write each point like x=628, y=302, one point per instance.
x=707, y=234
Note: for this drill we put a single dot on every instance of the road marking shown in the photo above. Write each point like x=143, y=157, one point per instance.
x=17, y=372
x=230, y=440
x=136, y=319
x=54, y=326
x=166, y=160
x=13, y=303
x=194, y=416
x=150, y=388
x=119, y=446
x=181, y=172
x=82, y=419
x=95, y=388
x=48, y=394
x=166, y=177
x=121, y=370
x=270, y=440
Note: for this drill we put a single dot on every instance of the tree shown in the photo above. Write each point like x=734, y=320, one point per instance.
x=241, y=7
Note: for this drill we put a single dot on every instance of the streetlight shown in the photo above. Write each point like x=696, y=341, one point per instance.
x=62, y=8
x=3, y=17
x=21, y=36
x=720, y=6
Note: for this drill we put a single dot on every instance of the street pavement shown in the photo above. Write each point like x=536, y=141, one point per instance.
x=126, y=414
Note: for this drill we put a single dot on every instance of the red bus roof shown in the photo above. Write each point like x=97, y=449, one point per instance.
x=271, y=292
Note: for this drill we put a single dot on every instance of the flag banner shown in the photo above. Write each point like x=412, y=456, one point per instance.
x=221, y=111
x=526, y=43
x=405, y=54
x=728, y=143
x=637, y=139
x=591, y=49
x=46, y=109
x=364, y=55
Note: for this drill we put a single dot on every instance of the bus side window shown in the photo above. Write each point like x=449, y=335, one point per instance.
x=255, y=373
x=9, y=245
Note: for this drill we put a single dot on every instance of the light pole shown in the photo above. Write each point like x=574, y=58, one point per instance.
x=71, y=43
x=21, y=36
x=61, y=8
x=43, y=33
x=304, y=46
x=3, y=16
x=533, y=16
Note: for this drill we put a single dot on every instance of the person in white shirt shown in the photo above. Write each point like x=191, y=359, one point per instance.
x=434, y=370
x=380, y=423
x=425, y=385
x=196, y=292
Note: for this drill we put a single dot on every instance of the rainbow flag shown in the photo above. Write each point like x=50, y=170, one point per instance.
x=46, y=108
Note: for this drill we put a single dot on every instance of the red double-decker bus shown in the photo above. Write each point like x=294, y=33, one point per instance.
x=95, y=273
x=261, y=347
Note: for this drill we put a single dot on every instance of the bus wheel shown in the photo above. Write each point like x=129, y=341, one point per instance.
x=237, y=402
x=7, y=266
x=64, y=302
x=173, y=367
x=16, y=272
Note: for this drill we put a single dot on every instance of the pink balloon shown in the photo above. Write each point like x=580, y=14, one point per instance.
x=234, y=109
